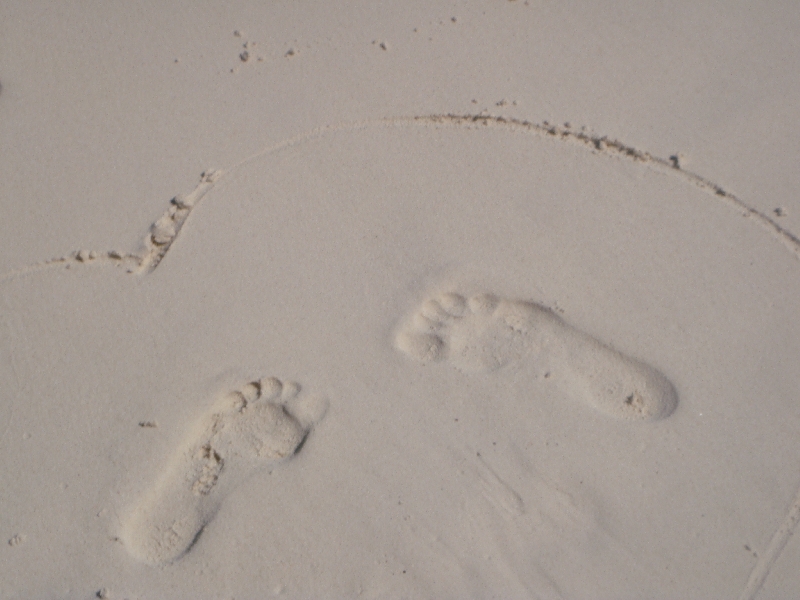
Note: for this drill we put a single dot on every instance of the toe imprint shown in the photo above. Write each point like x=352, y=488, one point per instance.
x=263, y=422
x=485, y=333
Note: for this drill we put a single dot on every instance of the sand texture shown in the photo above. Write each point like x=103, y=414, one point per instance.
x=321, y=303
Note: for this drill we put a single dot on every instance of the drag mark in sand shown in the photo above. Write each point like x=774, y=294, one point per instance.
x=498, y=492
x=261, y=424
x=614, y=148
x=166, y=229
x=486, y=333
x=776, y=545
x=597, y=144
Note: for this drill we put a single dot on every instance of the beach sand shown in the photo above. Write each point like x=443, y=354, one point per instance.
x=491, y=300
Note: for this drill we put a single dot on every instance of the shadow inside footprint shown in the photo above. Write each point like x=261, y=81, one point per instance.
x=262, y=423
x=485, y=333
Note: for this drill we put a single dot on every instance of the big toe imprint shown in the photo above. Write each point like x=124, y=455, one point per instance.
x=264, y=422
x=485, y=333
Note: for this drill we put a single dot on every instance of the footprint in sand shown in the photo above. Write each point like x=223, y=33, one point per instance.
x=487, y=333
x=264, y=422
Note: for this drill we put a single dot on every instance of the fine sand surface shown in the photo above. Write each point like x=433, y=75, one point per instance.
x=407, y=337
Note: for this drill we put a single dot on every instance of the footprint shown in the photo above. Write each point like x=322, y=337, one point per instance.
x=487, y=333
x=259, y=425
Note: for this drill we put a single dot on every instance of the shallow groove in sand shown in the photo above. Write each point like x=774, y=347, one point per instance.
x=595, y=143
x=776, y=545
x=166, y=229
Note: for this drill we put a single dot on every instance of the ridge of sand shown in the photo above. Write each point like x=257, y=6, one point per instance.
x=156, y=244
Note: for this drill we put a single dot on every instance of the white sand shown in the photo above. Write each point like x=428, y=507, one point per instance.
x=377, y=351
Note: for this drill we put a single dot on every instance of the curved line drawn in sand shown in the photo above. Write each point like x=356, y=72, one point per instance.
x=166, y=229
x=261, y=424
x=776, y=545
x=486, y=333
x=596, y=144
